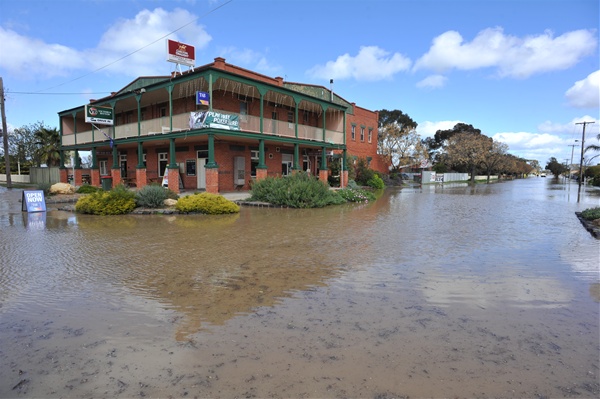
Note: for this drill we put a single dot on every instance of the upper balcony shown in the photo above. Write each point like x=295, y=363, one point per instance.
x=181, y=122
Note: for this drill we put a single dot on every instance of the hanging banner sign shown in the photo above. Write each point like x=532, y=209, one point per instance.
x=215, y=120
x=33, y=201
x=181, y=53
x=202, y=98
x=99, y=114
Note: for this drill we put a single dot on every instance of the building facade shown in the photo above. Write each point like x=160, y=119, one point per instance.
x=216, y=128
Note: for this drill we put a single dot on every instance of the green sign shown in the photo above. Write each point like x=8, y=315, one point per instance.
x=101, y=115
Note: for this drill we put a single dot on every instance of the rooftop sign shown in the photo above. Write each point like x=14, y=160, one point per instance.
x=181, y=53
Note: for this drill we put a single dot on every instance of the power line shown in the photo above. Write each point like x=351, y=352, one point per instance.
x=133, y=52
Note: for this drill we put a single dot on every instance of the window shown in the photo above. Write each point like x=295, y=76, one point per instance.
x=123, y=164
x=370, y=135
x=353, y=132
x=253, y=162
x=305, y=118
x=286, y=164
x=290, y=117
x=362, y=133
x=243, y=108
x=162, y=163
x=163, y=112
x=103, y=165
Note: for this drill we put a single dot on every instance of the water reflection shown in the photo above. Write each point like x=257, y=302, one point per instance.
x=430, y=291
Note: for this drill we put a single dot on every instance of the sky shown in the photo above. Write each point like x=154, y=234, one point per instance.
x=525, y=73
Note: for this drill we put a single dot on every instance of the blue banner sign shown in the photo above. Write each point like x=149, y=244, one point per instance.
x=202, y=98
x=33, y=201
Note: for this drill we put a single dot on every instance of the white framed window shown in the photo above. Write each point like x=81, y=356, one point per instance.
x=362, y=133
x=353, y=133
x=370, y=135
x=254, y=158
x=163, y=161
x=103, y=166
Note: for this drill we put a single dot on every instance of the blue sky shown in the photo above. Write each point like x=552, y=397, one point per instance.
x=524, y=72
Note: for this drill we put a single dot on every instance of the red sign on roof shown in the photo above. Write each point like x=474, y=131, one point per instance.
x=181, y=53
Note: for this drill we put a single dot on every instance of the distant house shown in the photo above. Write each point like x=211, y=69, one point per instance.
x=217, y=128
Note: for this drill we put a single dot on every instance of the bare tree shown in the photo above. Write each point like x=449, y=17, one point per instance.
x=468, y=151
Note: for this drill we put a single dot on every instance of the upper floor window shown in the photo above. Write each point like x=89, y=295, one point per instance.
x=290, y=117
x=362, y=133
x=370, y=135
x=353, y=133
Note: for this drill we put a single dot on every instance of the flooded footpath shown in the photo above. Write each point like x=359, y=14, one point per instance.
x=451, y=291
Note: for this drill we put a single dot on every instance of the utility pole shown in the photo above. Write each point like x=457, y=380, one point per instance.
x=5, y=136
x=581, y=161
x=572, y=149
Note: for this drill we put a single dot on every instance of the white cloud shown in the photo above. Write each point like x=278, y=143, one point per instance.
x=585, y=93
x=370, y=64
x=510, y=55
x=433, y=82
x=35, y=58
x=428, y=129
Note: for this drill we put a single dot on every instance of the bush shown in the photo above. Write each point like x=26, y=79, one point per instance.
x=117, y=201
x=87, y=189
x=45, y=187
x=208, y=203
x=356, y=195
x=591, y=213
x=376, y=182
x=363, y=173
x=299, y=190
x=152, y=196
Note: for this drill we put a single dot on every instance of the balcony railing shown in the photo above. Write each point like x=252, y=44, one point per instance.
x=181, y=122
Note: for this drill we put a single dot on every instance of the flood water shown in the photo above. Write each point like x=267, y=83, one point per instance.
x=453, y=291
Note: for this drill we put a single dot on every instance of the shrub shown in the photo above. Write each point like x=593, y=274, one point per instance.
x=45, y=187
x=591, y=213
x=151, y=196
x=363, y=173
x=117, y=201
x=87, y=189
x=208, y=203
x=299, y=190
x=356, y=195
x=376, y=182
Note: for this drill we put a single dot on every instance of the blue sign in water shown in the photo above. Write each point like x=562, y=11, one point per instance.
x=34, y=201
x=202, y=98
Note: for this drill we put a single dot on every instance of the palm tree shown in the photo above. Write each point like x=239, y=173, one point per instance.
x=49, y=142
x=593, y=147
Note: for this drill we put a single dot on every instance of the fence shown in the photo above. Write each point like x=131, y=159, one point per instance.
x=44, y=175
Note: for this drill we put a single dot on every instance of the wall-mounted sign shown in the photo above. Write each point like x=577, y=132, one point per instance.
x=101, y=115
x=215, y=120
x=33, y=201
x=202, y=98
x=181, y=53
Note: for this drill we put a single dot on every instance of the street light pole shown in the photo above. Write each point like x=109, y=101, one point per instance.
x=572, y=149
x=581, y=160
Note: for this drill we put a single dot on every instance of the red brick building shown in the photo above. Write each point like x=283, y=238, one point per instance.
x=217, y=128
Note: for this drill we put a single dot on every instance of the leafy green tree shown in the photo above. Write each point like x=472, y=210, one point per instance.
x=23, y=143
x=555, y=167
x=436, y=144
x=467, y=151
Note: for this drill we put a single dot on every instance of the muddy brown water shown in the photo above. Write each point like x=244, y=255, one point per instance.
x=452, y=291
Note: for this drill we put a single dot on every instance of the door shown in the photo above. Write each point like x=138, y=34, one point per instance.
x=201, y=173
